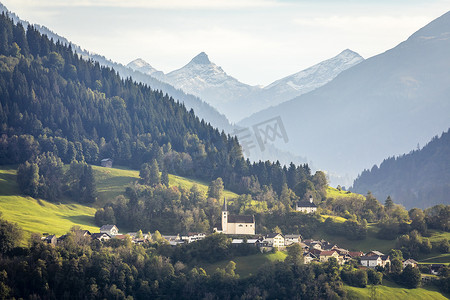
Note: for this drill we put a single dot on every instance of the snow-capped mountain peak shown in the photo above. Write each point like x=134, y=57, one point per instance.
x=317, y=75
x=144, y=67
x=201, y=59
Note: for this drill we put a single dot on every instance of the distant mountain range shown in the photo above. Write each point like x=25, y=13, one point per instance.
x=202, y=109
x=143, y=72
x=203, y=78
x=381, y=107
x=418, y=179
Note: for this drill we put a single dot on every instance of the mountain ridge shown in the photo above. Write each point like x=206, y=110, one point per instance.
x=380, y=107
x=205, y=79
x=417, y=179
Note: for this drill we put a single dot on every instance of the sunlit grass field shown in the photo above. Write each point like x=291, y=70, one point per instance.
x=392, y=291
x=35, y=215
x=246, y=265
x=336, y=194
x=111, y=182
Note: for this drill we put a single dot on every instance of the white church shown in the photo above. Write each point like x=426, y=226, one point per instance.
x=235, y=224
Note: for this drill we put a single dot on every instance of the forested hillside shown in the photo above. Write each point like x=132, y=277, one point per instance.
x=51, y=100
x=418, y=179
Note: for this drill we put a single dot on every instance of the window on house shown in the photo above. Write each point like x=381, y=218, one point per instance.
x=240, y=225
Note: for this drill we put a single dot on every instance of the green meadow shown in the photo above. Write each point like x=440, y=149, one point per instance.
x=337, y=194
x=392, y=291
x=36, y=215
x=246, y=265
x=371, y=242
x=111, y=182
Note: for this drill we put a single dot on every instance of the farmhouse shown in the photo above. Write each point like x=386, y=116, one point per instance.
x=107, y=162
x=111, y=230
x=306, y=206
x=326, y=255
x=308, y=258
x=411, y=262
x=192, y=237
x=100, y=236
x=235, y=224
x=50, y=239
x=374, y=253
x=292, y=239
x=373, y=261
x=275, y=240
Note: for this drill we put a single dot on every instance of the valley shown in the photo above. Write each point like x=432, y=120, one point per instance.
x=125, y=182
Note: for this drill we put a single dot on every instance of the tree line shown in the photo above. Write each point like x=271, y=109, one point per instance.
x=52, y=100
x=417, y=179
x=79, y=267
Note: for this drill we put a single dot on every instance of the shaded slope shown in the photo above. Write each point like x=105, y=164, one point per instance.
x=418, y=179
x=381, y=107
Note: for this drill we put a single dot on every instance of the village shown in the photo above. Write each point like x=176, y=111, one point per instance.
x=241, y=228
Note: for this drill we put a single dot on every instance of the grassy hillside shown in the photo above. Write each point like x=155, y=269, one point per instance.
x=392, y=291
x=246, y=265
x=337, y=194
x=35, y=215
x=371, y=242
x=111, y=182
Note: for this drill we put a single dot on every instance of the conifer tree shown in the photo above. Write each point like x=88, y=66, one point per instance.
x=155, y=176
x=165, y=177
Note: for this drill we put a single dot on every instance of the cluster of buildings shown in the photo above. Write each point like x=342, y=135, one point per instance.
x=244, y=225
x=106, y=233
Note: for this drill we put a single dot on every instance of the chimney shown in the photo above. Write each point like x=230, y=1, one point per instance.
x=310, y=199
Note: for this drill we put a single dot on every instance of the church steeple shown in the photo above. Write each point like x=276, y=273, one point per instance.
x=224, y=216
x=224, y=208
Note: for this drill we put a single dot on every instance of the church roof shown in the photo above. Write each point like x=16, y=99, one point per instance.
x=305, y=204
x=241, y=219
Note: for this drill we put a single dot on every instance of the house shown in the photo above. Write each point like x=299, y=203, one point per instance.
x=100, y=236
x=111, y=230
x=316, y=245
x=133, y=235
x=292, y=239
x=50, y=239
x=106, y=162
x=173, y=240
x=251, y=242
x=121, y=236
x=354, y=254
x=373, y=261
x=304, y=247
x=61, y=239
x=411, y=262
x=327, y=245
x=374, y=253
x=345, y=258
x=308, y=258
x=236, y=224
x=274, y=240
x=326, y=255
x=82, y=233
x=436, y=268
x=306, y=206
x=340, y=251
x=192, y=237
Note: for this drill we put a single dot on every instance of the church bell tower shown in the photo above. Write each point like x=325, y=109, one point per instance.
x=224, y=216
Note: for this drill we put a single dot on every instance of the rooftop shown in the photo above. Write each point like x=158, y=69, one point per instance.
x=241, y=219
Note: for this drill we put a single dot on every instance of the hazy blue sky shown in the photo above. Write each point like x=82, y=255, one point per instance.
x=256, y=41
